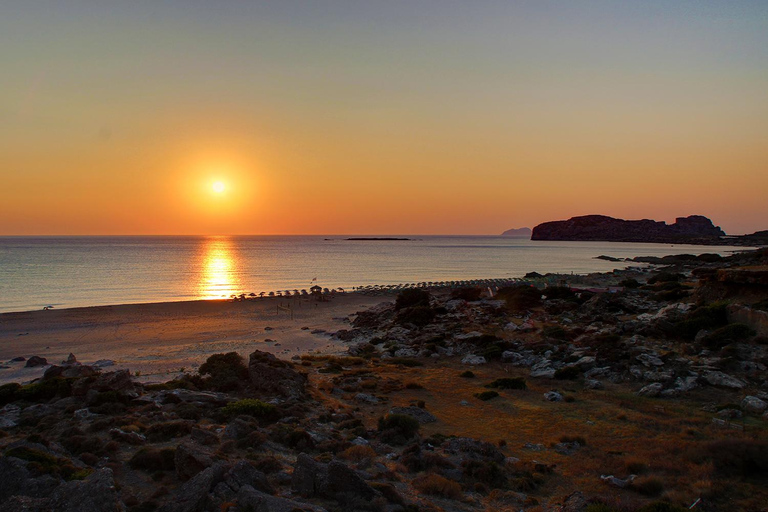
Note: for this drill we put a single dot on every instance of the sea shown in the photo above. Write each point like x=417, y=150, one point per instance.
x=66, y=272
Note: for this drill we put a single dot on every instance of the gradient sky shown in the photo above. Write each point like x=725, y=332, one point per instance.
x=412, y=116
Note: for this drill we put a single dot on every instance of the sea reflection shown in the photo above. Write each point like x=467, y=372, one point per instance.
x=220, y=277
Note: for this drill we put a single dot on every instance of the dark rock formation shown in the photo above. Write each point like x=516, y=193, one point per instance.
x=273, y=376
x=36, y=361
x=518, y=233
x=691, y=229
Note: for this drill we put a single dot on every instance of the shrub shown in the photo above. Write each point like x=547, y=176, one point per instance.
x=413, y=385
x=358, y=453
x=723, y=336
x=485, y=472
x=226, y=371
x=508, y=383
x=151, y=459
x=8, y=393
x=45, y=390
x=467, y=374
x=712, y=316
x=567, y=373
x=250, y=407
x=486, y=395
x=520, y=297
x=664, y=277
x=411, y=297
x=629, y=283
x=43, y=463
x=468, y=293
x=398, y=428
x=574, y=439
x=438, y=486
x=738, y=457
x=417, y=315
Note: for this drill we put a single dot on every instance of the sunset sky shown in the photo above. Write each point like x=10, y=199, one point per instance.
x=387, y=117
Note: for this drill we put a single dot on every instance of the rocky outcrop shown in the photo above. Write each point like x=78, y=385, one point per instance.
x=271, y=375
x=695, y=228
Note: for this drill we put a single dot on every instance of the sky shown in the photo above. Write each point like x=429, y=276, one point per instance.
x=364, y=117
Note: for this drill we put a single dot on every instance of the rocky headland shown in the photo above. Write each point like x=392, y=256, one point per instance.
x=639, y=390
x=692, y=229
x=518, y=233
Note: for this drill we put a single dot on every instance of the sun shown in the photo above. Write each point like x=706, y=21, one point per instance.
x=218, y=187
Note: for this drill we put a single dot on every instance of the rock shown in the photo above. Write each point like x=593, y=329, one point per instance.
x=271, y=375
x=419, y=414
x=71, y=359
x=193, y=495
x=754, y=405
x=9, y=416
x=593, y=384
x=617, y=482
x=649, y=360
x=16, y=479
x=584, y=362
x=35, y=361
x=729, y=414
x=567, y=448
x=722, y=380
x=18, y=359
x=511, y=326
x=96, y=493
x=684, y=384
x=190, y=460
x=238, y=429
x=309, y=476
x=473, y=449
x=249, y=498
x=651, y=390
x=473, y=360
x=70, y=371
x=204, y=437
x=366, y=398
x=244, y=474
x=103, y=363
x=544, y=373
x=553, y=396
x=133, y=438
x=344, y=481
x=574, y=502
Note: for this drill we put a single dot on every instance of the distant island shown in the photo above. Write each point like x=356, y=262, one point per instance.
x=518, y=233
x=692, y=229
x=379, y=239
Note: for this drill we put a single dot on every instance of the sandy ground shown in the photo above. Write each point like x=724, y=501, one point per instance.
x=158, y=340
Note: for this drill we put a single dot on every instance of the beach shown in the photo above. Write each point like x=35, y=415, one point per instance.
x=157, y=340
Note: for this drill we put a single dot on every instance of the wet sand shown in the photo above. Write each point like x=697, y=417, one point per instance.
x=159, y=339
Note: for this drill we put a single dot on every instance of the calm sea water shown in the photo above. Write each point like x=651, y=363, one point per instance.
x=85, y=271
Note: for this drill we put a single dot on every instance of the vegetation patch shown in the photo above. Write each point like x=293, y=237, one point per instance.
x=508, y=383
x=437, y=485
x=226, y=372
x=250, y=407
x=486, y=395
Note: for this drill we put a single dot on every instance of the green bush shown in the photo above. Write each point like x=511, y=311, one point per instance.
x=508, y=383
x=250, y=407
x=467, y=374
x=731, y=333
x=226, y=371
x=711, y=316
x=42, y=463
x=398, y=428
x=9, y=393
x=468, y=293
x=405, y=361
x=567, y=373
x=412, y=297
x=45, y=390
x=486, y=395
x=520, y=297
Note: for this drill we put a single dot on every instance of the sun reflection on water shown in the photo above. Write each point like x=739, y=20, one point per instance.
x=220, y=276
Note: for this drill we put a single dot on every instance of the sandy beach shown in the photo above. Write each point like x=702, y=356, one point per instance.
x=157, y=340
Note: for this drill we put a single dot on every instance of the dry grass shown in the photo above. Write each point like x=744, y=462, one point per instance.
x=437, y=485
x=358, y=453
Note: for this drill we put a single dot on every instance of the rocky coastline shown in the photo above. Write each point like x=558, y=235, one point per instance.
x=642, y=389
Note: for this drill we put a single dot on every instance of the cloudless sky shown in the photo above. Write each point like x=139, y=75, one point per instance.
x=379, y=117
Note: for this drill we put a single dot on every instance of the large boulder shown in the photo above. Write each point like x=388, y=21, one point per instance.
x=416, y=413
x=96, y=493
x=334, y=480
x=194, y=495
x=191, y=460
x=754, y=405
x=274, y=376
x=249, y=498
x=35, y=361
x=723, y=380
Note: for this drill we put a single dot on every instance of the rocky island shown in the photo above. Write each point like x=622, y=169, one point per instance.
x=518, y=233
x=692, y=229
